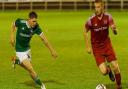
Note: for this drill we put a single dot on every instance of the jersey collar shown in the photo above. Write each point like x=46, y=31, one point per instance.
x=28, y=25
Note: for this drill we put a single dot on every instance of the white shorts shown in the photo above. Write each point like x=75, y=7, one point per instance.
x=24, y=55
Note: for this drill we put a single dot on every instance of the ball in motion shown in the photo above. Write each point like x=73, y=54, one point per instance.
x=100, y=86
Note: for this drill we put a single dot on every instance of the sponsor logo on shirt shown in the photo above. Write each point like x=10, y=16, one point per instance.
x=25, y=35
x=100, y=29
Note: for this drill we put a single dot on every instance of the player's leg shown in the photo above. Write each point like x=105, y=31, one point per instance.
x=28, y=66
x=101, y=62
x=116, y=70
x=15, y=61
x=25, y=58
x=110, y=73
x=104, y=68
x=112, y=59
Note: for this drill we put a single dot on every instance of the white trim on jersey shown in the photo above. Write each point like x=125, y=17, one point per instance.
x=28, y=25
x=89, y=20
x=41, y=34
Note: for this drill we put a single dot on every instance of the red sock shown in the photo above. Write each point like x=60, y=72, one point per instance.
x=118, y=79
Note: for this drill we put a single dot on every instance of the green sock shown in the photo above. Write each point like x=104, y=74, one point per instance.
x=38, y=81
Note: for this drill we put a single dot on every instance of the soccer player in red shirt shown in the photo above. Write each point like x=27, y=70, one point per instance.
x=98, y=24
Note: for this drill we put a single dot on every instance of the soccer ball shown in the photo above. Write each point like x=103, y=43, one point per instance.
x=100, y=86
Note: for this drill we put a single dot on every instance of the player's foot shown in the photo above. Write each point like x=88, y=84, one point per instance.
x=111, y=76
x=13, y=62
x=118, y=87
x=43, y=86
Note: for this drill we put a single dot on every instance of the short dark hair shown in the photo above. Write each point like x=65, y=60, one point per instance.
x=32, y=14
x=97, y=1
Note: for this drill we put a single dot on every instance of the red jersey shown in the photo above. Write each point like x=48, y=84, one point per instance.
x=100, y=29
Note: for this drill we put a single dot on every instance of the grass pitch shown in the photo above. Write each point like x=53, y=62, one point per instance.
x=74, y=68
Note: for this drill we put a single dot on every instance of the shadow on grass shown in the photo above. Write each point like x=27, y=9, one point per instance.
x=112, y=86
x=32, y=83
x=53, y=81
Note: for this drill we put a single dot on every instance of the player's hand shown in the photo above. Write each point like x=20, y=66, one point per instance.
x=89, y=50
x=54, y=54
x=115, y=32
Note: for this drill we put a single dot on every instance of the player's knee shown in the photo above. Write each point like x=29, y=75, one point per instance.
x=116, y=69
x=103, y=68
x=104, y=71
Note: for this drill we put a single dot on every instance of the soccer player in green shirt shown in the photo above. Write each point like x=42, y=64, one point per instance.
x=25, y=29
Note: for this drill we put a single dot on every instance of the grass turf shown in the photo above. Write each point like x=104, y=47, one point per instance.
x=74, y=68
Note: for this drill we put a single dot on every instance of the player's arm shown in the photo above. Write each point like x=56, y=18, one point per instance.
x=86, y=38
x=12, y=37
x=112, y=25
x=87, y=28
x=48, y=45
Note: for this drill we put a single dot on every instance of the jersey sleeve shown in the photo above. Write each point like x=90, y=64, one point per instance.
x=88, y=25
x=111, y=22
x=38, y=30
x=17, y=22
